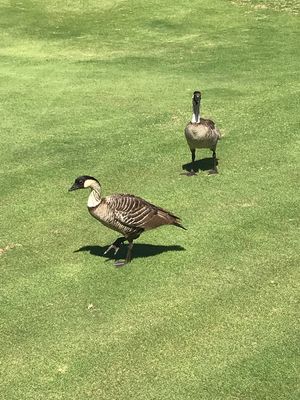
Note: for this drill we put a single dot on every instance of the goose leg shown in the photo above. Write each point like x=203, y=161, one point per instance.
x=129, y=251
x=120, y=263
x=192, y=172
x=214, y=169
x=131, y=238
x=116, y=245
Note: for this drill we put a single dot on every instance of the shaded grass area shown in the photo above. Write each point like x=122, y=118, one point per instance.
x=105, y=89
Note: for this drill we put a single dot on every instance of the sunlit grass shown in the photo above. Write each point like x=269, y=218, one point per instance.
x=104, y=88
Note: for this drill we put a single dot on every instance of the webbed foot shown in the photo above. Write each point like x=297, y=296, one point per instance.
x=115, y=246
x=120, y=263
x=189, y=173
x=112, y=246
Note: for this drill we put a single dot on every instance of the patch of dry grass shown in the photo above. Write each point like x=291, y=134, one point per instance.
x=290, y=6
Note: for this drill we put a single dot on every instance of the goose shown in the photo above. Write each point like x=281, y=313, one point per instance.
x=201, y=133
x=125, y=213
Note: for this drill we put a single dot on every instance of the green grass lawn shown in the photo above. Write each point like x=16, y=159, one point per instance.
x=104, y=88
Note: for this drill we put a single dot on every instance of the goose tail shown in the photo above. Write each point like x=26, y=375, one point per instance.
x=218, y=132
x=177, y=223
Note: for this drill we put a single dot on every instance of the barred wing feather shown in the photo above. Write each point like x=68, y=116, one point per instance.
x=137, y=213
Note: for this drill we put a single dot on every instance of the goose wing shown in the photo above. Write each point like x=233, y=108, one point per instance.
x=208, y=122
x=137, y=213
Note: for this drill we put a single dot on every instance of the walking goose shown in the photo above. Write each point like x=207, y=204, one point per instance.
x=124, y=213
x=201, y=133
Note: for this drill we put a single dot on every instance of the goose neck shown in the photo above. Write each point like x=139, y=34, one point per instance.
x=95, y=196
x=196, y=112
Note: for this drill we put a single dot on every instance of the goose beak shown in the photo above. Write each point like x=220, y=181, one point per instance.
x=73, y=187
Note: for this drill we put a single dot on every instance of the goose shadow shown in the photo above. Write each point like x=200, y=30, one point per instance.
x=140, y=250
x=204, y=164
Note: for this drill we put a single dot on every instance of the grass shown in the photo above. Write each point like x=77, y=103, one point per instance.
x=104, y=88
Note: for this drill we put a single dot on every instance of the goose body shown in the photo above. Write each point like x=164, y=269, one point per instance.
x=129, y=214
x=125, y=213
x=201, y=133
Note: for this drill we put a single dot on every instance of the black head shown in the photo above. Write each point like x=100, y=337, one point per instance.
x=196, y=96
x=82, y=182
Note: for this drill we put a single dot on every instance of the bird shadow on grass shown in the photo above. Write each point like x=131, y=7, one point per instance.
x=204, y=164
x=140, y=250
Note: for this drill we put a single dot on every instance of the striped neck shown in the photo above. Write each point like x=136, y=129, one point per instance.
x=95, y=196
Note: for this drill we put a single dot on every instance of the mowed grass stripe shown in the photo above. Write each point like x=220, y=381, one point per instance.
x=105, y=89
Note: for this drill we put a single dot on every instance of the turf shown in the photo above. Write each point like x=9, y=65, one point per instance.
x=104, y=88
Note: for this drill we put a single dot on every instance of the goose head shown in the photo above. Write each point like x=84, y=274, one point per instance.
x=196, y=97
x=83, y=182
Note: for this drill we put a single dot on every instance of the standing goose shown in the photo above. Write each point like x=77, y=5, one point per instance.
x=124, y=213
x=201, y=133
